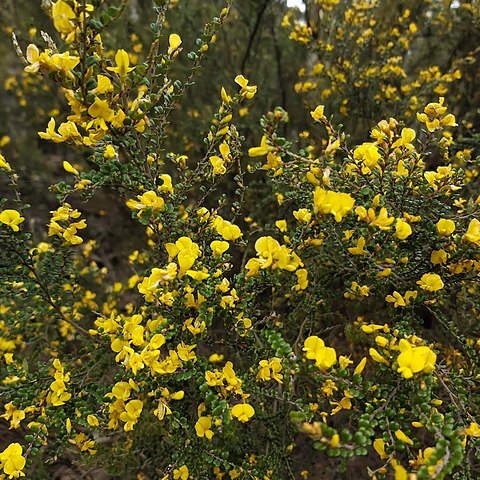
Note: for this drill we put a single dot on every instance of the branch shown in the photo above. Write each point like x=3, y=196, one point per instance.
x=258, y=20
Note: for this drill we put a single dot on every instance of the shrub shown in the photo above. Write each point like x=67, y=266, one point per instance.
x=339, y=311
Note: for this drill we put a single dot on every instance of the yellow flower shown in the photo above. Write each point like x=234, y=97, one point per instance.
x=317, y=114
x=438, y=257
x=104, y=85
x=433, y=117
x=245, y=91
x=396, y=298
x=473, y=430
x=270, y=370
x=11, y=218
x=4, y=164
x=226, y=229
x=218, y=165
x=197, y=275
x=50, y=133
x=360, y=367
x=219, y=247
x=302, y=279
x=62, y=13
x=445, y=227
x=430, y=282
x=226, y=98
x=148, y=200
x=203, y=426
x=401, y=170
x=379, y=446
x=186, y=352
x=473, y=232
x=377, y=357
x=216, y=358
x=325, y=357
x=122, y=61
x=68, y=167
x=186, y=252
x=303, y=215
x=406, y=138
x=400, y=472
x=281, y=225
x=359, y=248
x=181, y=473
x=243, y=412
x=101, y=109
x=174, y=41
x=13, y=415
x=374, y=328
x=367, y=155
x=132, y=412
x=92, y=420
x=402, y=229
x=109, y=152
x=403, y=438
x=336, y=203
x=12, y=461
x=415, y=359
x=263, y=149
x=167, y=183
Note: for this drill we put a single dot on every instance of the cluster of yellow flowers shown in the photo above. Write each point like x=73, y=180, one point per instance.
x=337, y=204
x=325, y=357
x=413, y=358
x=58, y=394
x=61, y=225
x=270, y=254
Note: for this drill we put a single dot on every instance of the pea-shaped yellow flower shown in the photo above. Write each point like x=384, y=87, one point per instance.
x=218, y=165
x=12, y=461
x=379, y=446
x=415, y=359
x=430, y=282
x=473, y=430
x=261, y=150
x=403, y=437
x=226, y=229
x=122, y=61
x=68, y=167
x=402, y=229
x=473, y=232
x=367, y=156
x=247, y=91
x=337, y=204
x=325, y=357
x=318, y=113
x=203, y=426
x=4, y=164
x=219, y=247
x=174, y=41
x=445, y=227
x=181, y=473
x=243, y=412
x=11, y=218
x=132, y=412
x=62, y=13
